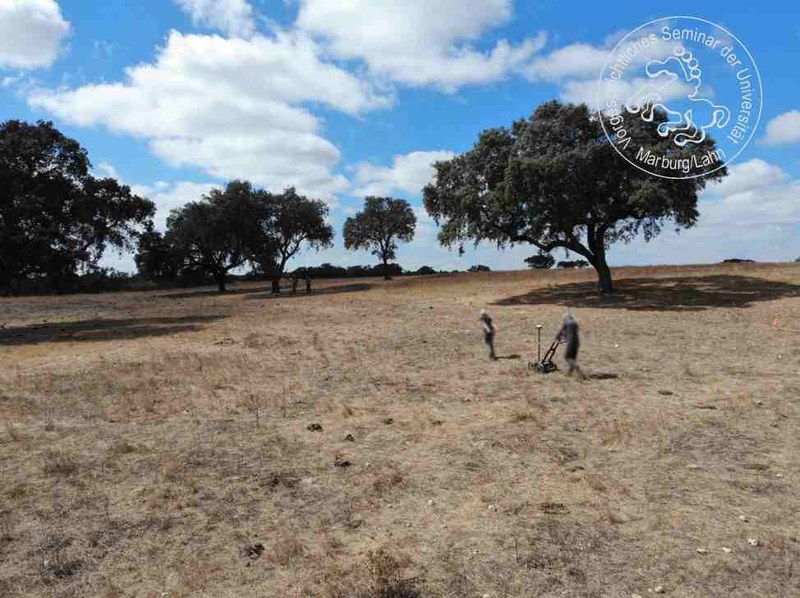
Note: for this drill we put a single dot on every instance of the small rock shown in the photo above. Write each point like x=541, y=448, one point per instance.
x=702, y=551
x=388, y=421
x=492, y=508
x=350, y=438
x=693, y=466
x=743, y=518
x=666, y=393
x=752, y=541
x=437, y=422
x=339, y=462
x=636, y=596
x=759, y=403
x=314, y=428
x=659, y=589
x=778, y=475
x=430, y=503
x=726, y=550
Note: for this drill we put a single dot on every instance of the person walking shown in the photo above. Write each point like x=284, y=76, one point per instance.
x=489, y=331
x=570, y=334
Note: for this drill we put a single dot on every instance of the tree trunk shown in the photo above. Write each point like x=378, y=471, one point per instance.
x=605, y=284
x=276, y=286
x=386, y=269
x=220, y=278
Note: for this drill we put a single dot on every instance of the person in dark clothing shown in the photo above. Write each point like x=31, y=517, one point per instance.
x=569, y=333
x=489, y=330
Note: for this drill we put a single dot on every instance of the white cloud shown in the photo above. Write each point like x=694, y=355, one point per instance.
x=31, y=32
x=168, y=196
x=577, y=69
x=616, y=92
x=747, y=176
x=234, y=108
x=408, y=174
x=233, y=17
x=753, y=213
x=784, y=129
x=106, y=170
x=575, y=60
x=419, y=42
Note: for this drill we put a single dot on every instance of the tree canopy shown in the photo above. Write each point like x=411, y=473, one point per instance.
x=218, y=233
x=289, y=221
x=55, y=217
x=234, y=226
x=380, y=226
x=555, y=181
x=541, y=261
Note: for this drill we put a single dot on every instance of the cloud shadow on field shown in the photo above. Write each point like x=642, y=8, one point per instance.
x=100, y=330
x=690, y=293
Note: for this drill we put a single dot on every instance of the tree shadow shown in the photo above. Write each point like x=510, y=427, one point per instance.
x=99, y=330
x=689, y=293
x=331, y=290
x=214, y=292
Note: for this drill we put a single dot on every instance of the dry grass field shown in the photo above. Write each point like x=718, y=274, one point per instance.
x=358, y=442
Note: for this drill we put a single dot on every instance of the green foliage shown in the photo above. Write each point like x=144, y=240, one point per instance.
x=554, y=180
x=232, y=227
x=541, y=261
x=479, y=268
x=155, y=258
x=288, y=222
x=382, y=223
x=218, y=233
x=55, y=218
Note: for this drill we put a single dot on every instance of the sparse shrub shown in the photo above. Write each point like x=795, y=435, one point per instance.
x=479, y=268
x=55, y=562
x=385, y=569
x=120, y=447
x=59, y=463
x=541, y=261
x=6, y=525
x=287, y=549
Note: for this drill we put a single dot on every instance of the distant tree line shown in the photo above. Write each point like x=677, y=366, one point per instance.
x=553, y=181
x=57, y=220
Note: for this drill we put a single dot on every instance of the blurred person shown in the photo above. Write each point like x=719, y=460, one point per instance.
x=570, y=334
x=489, y=331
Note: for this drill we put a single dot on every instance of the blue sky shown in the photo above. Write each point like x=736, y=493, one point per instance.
x=344, y=99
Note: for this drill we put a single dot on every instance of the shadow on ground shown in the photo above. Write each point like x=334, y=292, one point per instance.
x=331, y=290
x=265, y=292
x=662, y=294
x=214, y=292
x=102, y=329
